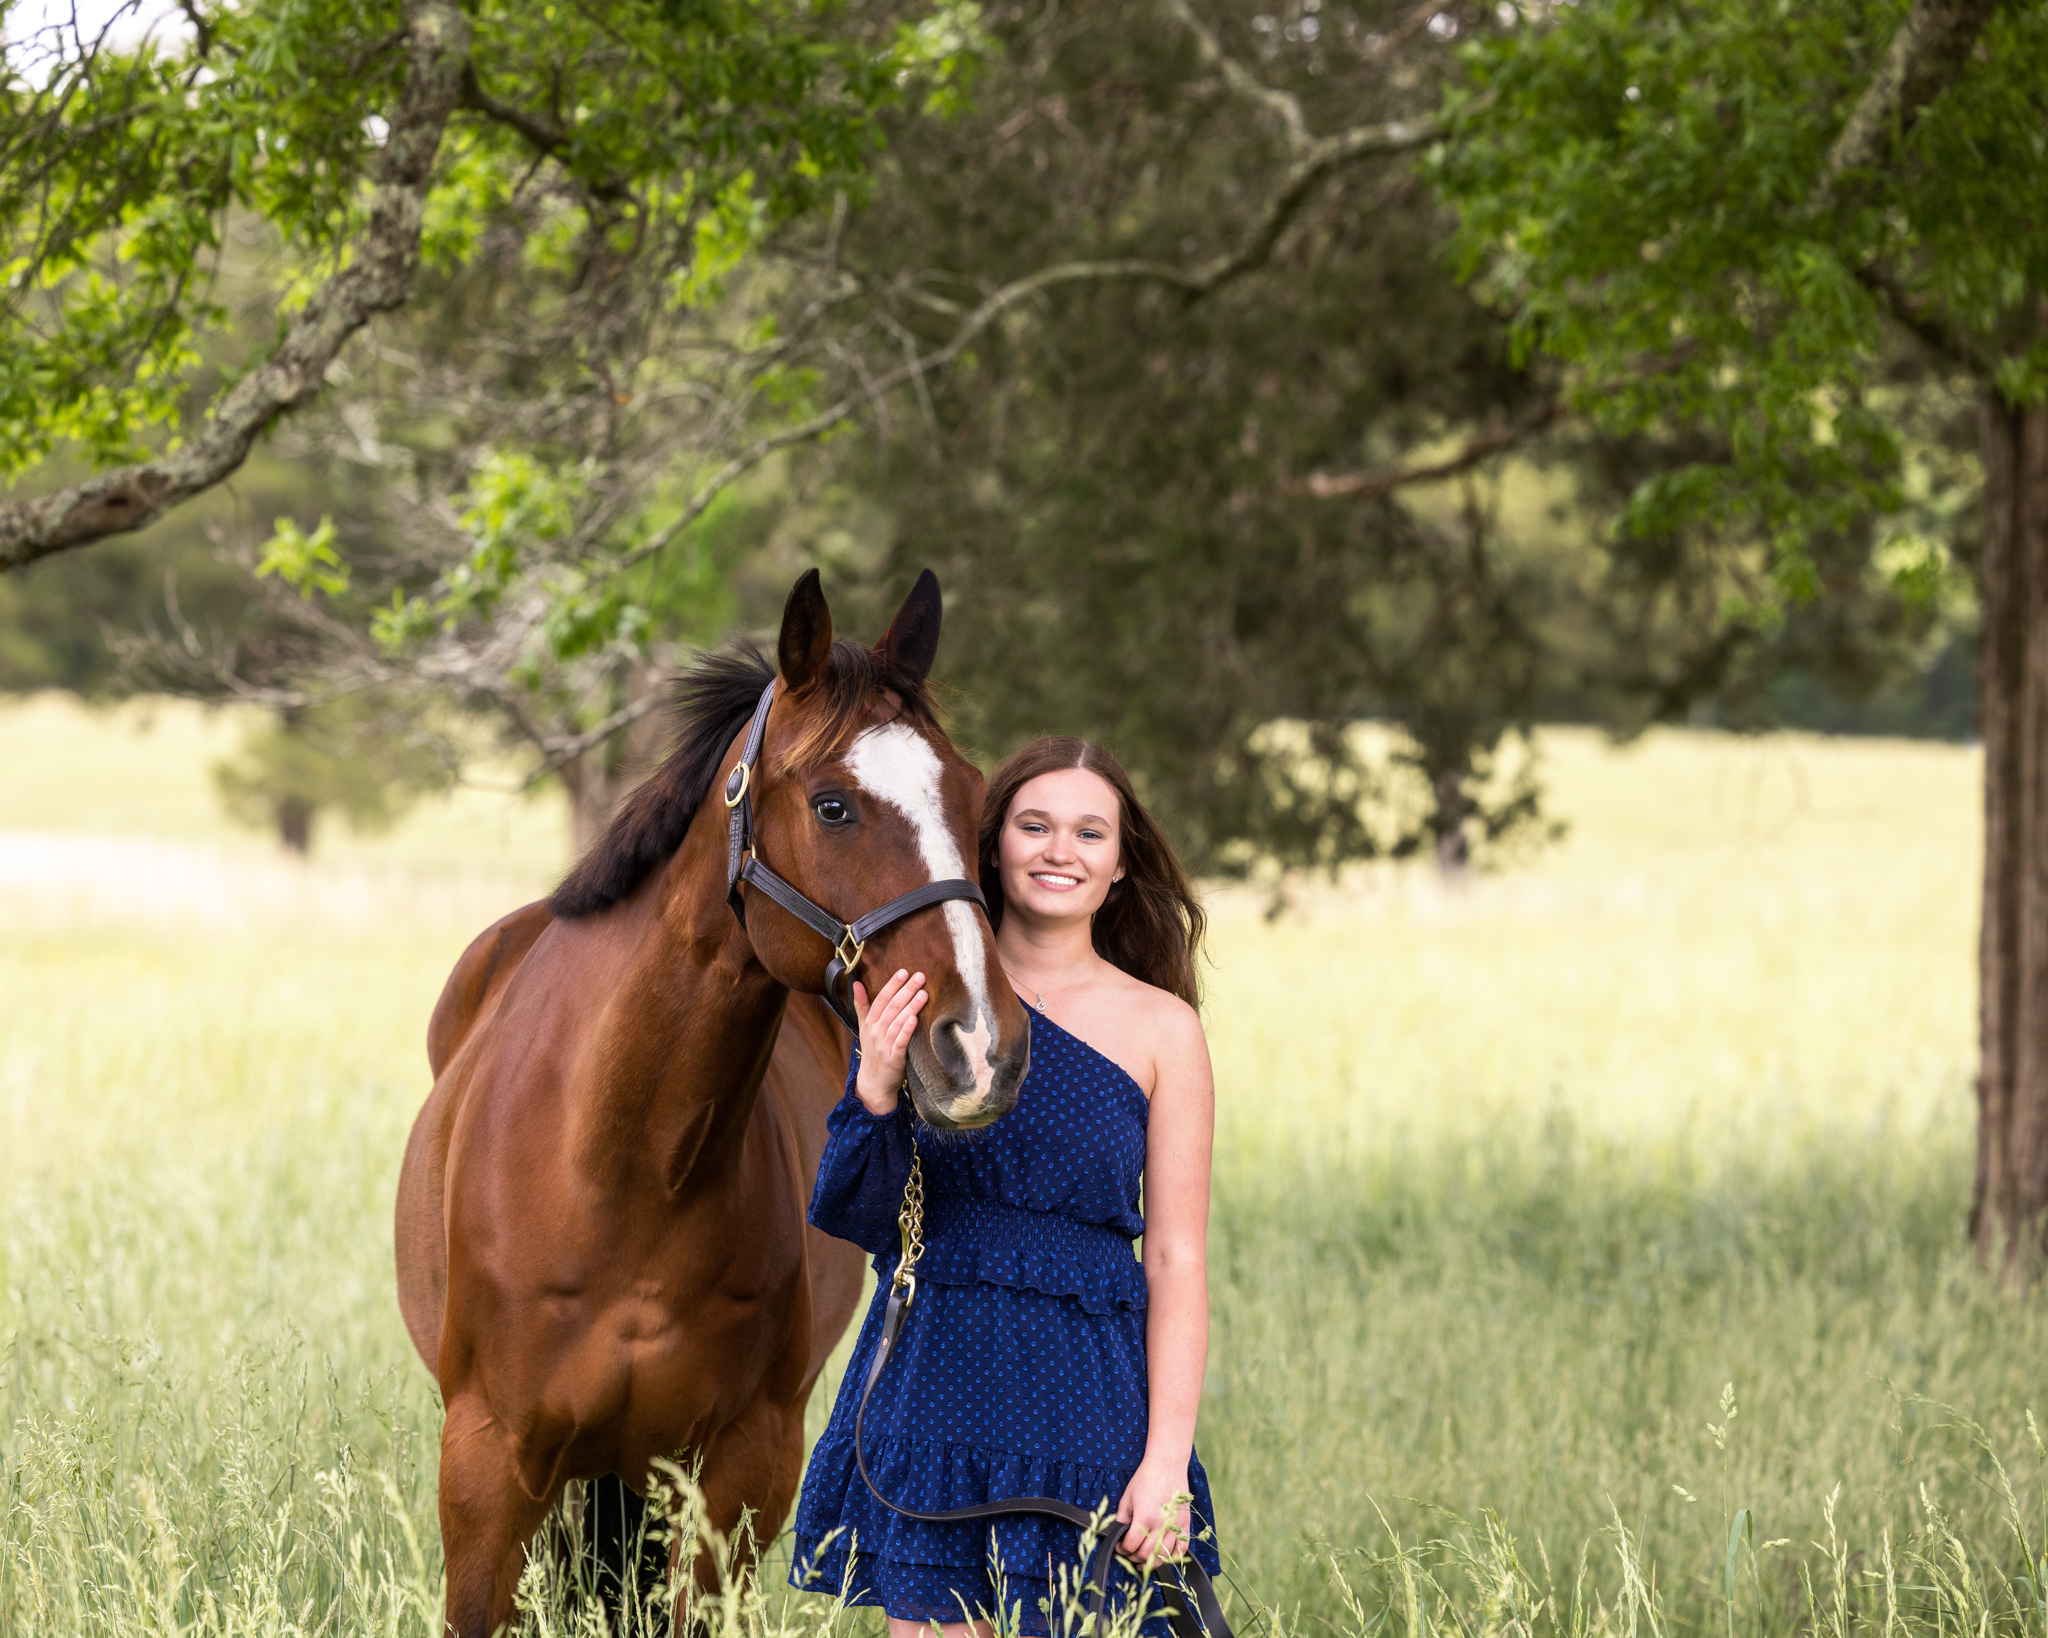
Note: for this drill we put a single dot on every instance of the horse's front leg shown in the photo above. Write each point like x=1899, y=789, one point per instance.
x=749, y=1473
x=487, y=1518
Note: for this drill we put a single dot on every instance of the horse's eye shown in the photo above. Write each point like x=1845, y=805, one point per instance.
x=831, y=811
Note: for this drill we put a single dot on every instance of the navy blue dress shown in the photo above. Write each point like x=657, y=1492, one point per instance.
x=1021, y=1366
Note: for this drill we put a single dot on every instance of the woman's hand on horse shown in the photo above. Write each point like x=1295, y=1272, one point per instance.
x=1155, y=1507
x=886, y=1026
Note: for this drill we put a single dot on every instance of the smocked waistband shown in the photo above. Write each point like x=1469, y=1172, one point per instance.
x=973, y=1240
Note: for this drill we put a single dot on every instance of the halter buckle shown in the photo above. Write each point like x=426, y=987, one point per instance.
x=849, y=958
x=736, y=783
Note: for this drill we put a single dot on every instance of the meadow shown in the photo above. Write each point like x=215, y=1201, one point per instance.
x=1587, y=1255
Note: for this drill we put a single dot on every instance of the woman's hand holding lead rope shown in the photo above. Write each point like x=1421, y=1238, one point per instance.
x=886, y=1026
x=1155, y=1507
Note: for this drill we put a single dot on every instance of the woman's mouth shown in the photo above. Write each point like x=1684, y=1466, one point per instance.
x=1054, y=881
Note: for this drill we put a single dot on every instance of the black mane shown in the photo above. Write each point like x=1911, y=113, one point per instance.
x=714, y=699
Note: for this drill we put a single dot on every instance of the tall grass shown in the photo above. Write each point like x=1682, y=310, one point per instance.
x=1587, y=1252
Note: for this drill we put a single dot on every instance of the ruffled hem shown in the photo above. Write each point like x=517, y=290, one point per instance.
x=924, y=1593
x=932, y=1477
x=970, y=1240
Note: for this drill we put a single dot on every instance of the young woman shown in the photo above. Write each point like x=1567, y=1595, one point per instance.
x=1041, y=1357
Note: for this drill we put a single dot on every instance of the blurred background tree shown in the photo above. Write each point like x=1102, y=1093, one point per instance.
x=1242, y=462
x=1812, y=238
x=204, y=229
x=345, y=757
x=1149, y=313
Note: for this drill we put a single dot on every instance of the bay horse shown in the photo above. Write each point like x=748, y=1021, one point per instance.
x=602, y=1252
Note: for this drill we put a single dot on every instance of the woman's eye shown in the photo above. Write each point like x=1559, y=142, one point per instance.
x=831, y=811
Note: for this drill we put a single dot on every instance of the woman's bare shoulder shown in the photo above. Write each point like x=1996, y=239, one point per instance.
x=1159, y=1014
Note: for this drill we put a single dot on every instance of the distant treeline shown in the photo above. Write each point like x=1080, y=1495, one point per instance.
x=84, y=622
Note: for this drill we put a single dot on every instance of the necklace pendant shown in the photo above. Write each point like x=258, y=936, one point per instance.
x=1041, y=999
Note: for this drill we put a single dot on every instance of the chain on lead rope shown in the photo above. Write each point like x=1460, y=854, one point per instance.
x=910, y=1224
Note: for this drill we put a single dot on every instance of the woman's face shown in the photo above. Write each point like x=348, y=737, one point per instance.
x=1060, y=848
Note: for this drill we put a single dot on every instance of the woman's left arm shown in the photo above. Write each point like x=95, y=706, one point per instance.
x=1179, y=1133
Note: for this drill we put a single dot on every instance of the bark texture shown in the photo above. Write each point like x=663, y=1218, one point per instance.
x=2010, y=1207
x=1925, y=57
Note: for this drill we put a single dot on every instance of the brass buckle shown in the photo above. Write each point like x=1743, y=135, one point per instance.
x=906, y=1282
x=733, y=798
x=846, y=961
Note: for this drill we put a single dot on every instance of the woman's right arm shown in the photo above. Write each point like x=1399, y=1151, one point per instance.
x=868, y=1153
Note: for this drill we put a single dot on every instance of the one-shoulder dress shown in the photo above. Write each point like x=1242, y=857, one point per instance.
x=1021, y=1366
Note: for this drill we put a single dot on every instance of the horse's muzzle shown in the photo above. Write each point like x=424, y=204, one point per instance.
x=962, y=1077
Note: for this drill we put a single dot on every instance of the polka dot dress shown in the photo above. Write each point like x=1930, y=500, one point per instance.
x=1021, y=1368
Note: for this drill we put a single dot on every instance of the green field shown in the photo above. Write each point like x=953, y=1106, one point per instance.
x=1514, y=1179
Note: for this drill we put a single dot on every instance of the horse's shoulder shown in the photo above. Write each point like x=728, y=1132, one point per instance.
x=482, y=969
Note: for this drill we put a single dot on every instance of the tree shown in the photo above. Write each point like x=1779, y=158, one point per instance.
x=1218, y=506
x=1169, y=271
x=367, y=136
x=499, y=241
x=1730, y=217
x=346, y=758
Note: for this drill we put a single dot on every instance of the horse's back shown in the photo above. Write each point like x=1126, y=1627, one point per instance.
x=478, y=979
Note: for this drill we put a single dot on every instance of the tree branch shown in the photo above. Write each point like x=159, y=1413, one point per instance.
x=545, y=136
x=1323, y=155
x=377, y=278
x=561, y=752
x=1371, y=485
x=1315, y=157
x=1925, y=58
x=1952, y=346
x=1241, y=79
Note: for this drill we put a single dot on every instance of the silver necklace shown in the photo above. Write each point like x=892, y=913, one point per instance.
x=1041, y=999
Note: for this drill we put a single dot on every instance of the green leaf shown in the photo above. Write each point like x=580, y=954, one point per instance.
x=306, y=563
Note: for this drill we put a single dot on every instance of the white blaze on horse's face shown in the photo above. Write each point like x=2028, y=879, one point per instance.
x=896, y=764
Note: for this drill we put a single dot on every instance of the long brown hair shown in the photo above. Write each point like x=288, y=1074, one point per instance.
x=1151, y=924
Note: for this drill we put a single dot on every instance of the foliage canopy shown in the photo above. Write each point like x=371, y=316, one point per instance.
x=365, y=135
x=1661, y=196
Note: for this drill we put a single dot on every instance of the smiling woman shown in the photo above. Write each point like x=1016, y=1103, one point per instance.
x=1152, y=925
x=1043, y=1360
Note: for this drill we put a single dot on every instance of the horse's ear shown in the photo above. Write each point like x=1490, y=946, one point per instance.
x=912, y=640
x=806, y=641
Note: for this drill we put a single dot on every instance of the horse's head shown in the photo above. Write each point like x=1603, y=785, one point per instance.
x=858, y=797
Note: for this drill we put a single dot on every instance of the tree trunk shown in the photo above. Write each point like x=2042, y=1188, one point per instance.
x=295, y=824
x=1453, y=846
x=602, y=775
x=2010, y=1204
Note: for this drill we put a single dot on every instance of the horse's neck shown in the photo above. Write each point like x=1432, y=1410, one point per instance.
x=686, y=1032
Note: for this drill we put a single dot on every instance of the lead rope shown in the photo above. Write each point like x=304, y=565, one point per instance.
x=1192, y=1608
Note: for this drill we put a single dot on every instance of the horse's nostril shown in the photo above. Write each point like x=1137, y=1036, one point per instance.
x=949, y=1050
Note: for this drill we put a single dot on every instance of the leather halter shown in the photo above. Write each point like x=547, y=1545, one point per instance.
x=847, y=938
